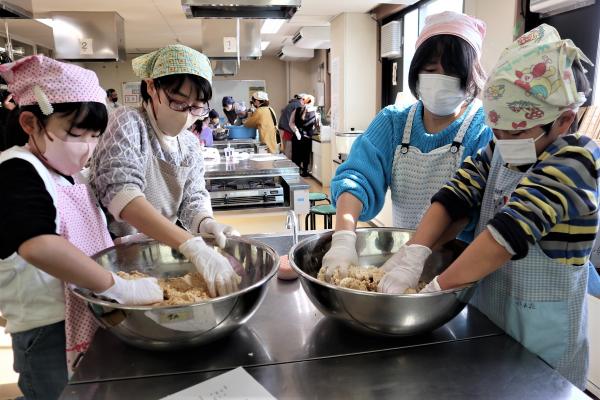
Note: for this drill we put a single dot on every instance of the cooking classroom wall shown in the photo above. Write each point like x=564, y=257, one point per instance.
x=500, y=18
x=269, y=69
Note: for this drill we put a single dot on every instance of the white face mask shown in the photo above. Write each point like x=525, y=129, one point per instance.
x=441, y=94
x=518, y=151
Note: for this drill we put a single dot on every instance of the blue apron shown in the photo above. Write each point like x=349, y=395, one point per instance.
x=536, y=300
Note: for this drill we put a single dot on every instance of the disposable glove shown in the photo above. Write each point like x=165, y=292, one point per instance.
x=341, y=255
x=215, y=269
x=403, y=269
x=219, y=231
x=432, y=287
x=133, y=292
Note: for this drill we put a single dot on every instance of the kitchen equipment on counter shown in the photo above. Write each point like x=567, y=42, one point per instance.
x=257, y=191
x=344, y=141
x=241, y=132
x=379, y=312
x=170, y=327
x=220, y=134
x=240, y=145
x=210, y=154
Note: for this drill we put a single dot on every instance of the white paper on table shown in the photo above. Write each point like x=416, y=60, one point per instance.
x=237, y=384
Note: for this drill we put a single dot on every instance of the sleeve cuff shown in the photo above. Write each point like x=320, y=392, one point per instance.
x=512, y=233
x=121, y=199
x=197, y=221
x=456, y=208
x=500, y=240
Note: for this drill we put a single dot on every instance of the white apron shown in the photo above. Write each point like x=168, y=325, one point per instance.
x=417, y=176
x=536, y=300
x=164, y=187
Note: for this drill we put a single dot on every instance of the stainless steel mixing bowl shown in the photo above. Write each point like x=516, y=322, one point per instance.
x=170, y=327
x=385, y=313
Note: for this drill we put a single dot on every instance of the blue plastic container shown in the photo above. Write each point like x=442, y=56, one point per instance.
x=241, y=132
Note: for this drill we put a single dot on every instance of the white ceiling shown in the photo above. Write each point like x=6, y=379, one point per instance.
x=150, y=24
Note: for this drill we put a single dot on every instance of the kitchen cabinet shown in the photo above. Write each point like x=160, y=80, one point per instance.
x=321, y=165
x=594, y=337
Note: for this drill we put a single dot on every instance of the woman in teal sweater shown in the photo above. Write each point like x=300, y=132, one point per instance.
x=414, y=151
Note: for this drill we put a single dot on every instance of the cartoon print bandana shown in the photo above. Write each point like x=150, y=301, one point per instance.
x=533, y=82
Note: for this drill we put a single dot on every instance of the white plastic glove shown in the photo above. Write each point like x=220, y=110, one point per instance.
x=134, y=292
x=341, y=255
x=219, y=231
x=403, y=269
x=215, y=269
x=432, y=286
x=297, y=134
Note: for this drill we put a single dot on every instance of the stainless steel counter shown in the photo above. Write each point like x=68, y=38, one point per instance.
x=487, y=368
x=291, y=349
x=251, y=168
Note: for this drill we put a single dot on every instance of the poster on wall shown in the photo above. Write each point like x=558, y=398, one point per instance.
x=131, y=94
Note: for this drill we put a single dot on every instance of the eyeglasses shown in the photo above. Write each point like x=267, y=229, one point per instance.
x=185, y=107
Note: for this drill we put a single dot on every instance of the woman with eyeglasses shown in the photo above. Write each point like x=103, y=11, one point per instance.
x=147, y=170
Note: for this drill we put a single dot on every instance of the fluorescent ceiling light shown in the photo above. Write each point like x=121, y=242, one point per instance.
x=264, y=45
x=46, y=21
x=271, y=26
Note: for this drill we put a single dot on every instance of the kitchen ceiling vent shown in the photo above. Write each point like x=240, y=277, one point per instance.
x=293, y=53
x=255, y=9
x=241, y=35
x=88, y=36
x=391, y=40
x=312, y=37
x=548, y=8
x=15, y=9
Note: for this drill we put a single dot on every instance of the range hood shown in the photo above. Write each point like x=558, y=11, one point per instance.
x=19, y=9
x=246, y=35
x=224, y=67
x=255, y=9
x=88, y=36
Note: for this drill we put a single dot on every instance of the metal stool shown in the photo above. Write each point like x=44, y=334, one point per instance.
x=326, y=210
x=313, y=198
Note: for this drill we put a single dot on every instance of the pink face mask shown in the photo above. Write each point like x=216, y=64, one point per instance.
x=68, y=158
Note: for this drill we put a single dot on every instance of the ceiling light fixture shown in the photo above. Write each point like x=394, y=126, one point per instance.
x=46, y=21
x=271, y=26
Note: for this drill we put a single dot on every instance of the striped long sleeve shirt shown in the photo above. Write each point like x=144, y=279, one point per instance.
x=555, y=204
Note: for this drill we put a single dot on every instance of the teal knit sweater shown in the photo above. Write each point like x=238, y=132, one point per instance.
x=367, y=173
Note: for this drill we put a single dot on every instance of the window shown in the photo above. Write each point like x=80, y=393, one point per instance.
x=412, y=25
x=410, y=34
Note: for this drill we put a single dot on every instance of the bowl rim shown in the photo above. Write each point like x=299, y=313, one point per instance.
x=77, y=291
x=312, y=279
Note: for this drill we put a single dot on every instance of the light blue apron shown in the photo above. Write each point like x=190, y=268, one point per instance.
x=536, y=300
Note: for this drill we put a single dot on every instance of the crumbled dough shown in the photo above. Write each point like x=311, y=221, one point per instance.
x=187, y=289
x=362, y=278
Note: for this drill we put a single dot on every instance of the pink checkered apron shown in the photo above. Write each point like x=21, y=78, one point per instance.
x=82, y=224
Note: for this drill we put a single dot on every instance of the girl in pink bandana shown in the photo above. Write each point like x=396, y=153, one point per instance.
x=50, y=224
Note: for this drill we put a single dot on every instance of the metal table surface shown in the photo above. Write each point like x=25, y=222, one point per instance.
x=494, y=367
x=288, y=343
x=286, y=328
